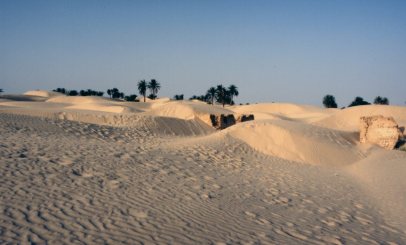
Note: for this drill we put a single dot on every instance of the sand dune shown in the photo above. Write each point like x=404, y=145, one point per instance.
x=284, y=111
x=20, y=97
x=44, y=93
x=299, y=142
x=348, y=118
x=186, y=110
x=382, y=175
x=92, y=170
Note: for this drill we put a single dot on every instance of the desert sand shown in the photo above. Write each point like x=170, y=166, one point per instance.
x=90, y=170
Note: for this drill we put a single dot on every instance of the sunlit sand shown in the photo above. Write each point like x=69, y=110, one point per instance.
x=94, y=170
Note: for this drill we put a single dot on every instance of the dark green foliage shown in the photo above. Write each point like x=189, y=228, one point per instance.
x=88, y=92
x=232, y=91
x=178, y=97
x=73, y=93
x=358, y=101
x=329, y=101
x=211, y=94
x=222, y=95
x=381, y=101
x=61, y=90
x=200, y=97
x=115, y=93
x=131, y=97
x=153, y=87
x=142, y=88
x=151, y=96
x=109, y=92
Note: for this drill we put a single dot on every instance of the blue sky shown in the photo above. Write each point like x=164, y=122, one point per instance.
x=282, y=51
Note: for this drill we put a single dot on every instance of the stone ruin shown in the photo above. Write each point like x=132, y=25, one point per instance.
x=380, y=130
x=223, y=121
x=244, y=118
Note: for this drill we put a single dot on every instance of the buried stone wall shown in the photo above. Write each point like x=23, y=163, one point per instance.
x=223, y=121
x=380, y=130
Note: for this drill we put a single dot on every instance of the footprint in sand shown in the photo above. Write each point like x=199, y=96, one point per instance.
x=249, y=214
x=66, y=162
x=82, y=173
x=113, y=184
x=138, y=214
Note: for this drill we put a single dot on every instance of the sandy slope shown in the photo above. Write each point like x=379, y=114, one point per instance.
x=348, y=118
x=44, y=93
x=382, y=175
x=82, y=171
x=299, y=142
x=285, y=111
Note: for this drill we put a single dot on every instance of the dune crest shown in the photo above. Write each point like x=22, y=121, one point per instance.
x=299, y=142
x=43, y=93
x=348, y=118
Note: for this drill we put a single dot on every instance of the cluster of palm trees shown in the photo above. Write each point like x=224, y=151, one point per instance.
x=114, y=93
x=87, y=92
x=153, y=86
x=219, y=94
x=329, y=101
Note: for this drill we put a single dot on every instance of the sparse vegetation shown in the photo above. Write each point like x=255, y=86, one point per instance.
x=220, y=94
x=211, y=94
x=152, y=96
x=329, y=101
x=88, y=92
x=232, y=91
x=153, y=87
x=61, y=90
x=381, y=100
x=72, y=93
x=114, y=93
x=131, y=97
x=358, y=101
x=199, y=97
x=142, y=88
x=178, y=97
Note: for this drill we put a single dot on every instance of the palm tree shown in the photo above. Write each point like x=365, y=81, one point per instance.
x=142, y=88
x=115, y=93
x=211, y=94
x=154, y=86
x=109, y=92
x=221, y=94
x=233, y=91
